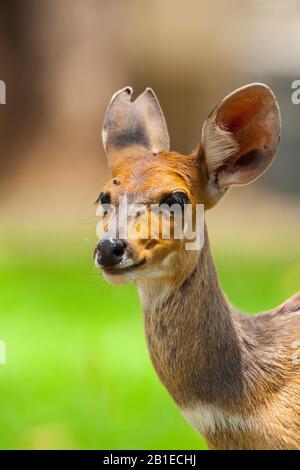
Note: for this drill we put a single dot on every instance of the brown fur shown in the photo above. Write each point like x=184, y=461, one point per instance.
x=204, y=350
x=201, y=347
x=233, y=375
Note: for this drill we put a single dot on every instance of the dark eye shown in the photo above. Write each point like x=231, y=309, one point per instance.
x=179, y=198
x=104, y=198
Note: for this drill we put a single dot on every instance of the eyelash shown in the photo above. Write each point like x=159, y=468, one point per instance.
x=179, y=197
x=175, y=198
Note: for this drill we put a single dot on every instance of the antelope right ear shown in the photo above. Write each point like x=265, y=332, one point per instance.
x=134, y=127
x=240, y=137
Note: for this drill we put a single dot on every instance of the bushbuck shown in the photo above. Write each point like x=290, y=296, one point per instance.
x=231, y=374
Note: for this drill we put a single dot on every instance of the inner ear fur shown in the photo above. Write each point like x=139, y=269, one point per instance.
x=240, y=137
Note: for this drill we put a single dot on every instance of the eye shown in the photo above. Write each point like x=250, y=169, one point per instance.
x=104, y=198
x=179, y=197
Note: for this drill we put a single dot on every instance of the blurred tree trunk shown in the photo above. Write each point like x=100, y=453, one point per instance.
x=61, y=63
x=18, y=66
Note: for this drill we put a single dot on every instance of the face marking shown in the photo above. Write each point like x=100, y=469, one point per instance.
x=142, y=179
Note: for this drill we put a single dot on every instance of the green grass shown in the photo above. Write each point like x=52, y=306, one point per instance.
x=78, y=373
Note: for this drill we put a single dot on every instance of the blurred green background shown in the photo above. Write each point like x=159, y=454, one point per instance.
x=78, y=373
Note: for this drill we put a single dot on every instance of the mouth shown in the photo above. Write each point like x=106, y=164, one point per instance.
x=128, y=269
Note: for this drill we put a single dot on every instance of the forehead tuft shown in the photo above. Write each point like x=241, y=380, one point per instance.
x=151, y=174
x=151, y=163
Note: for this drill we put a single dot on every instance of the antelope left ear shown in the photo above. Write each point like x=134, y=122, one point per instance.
x=135, y=125
x=241, y=136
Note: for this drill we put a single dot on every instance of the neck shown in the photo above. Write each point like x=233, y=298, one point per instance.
x=193, y=335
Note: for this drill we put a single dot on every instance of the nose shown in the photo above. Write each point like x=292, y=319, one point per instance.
x=110, y=252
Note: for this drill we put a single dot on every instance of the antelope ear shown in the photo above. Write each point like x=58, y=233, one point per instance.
x=241, y=136
x=139, y=124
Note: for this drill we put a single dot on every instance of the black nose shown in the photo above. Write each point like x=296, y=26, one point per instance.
x=110, y=252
